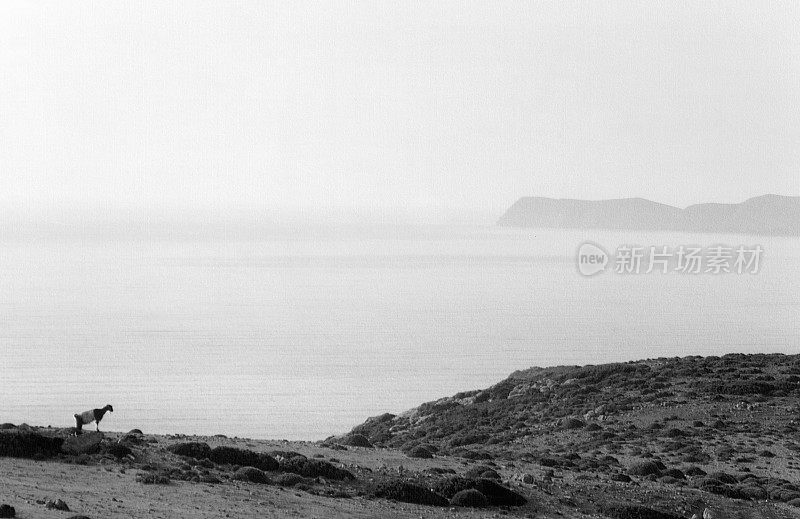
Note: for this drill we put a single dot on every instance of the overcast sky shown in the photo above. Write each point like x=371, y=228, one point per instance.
x=438, y=110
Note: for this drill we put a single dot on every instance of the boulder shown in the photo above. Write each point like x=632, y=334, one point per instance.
x=7, y=511
x=88, y=443
x=58, y=504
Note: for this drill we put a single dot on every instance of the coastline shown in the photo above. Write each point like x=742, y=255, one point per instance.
x=730, y=449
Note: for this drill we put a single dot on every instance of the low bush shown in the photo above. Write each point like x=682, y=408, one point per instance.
x=312, y=468
x=197, y=450
x=234, y=456
x=407, y=492
x=631, y=511
x=251, y=474
x=644, y=468
x=469, y=498
x=29, y=445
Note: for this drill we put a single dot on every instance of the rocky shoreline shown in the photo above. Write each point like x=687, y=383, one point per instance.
x=660, y=438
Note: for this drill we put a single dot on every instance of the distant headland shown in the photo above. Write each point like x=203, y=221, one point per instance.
x=767, y=215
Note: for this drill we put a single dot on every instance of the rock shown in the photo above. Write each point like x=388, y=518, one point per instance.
x=7, y=511
x=470, y=498
x=710, y=514
x=88, y=443
x=7, y=426
x=58, y=504
x=136, y=431
x=527, y=479
x=25, y=427
x=78, y=517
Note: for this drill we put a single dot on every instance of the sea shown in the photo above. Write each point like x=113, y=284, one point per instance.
x=304, y=333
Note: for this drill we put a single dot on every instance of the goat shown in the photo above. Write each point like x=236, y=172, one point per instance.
x=87, y=417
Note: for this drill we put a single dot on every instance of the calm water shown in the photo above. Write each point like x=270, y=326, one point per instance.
x=305, y=335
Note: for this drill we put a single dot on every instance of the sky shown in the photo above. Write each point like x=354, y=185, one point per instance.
x=394, y=111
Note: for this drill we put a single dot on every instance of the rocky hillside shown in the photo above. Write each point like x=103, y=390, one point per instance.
x=709, y=438
x=722, y=426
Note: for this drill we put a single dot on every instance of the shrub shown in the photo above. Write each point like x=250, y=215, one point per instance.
x=573, y=423
x=312, y=468
x=280, y=455
x=694, y=470
x=195, y=450
x=469, y=498
x=150, y=478
x=357, y=440
x=498, y=495
x=234, y=456
x=476, y=471
x=629, y=511
x=449, y=487
x=741, y=387
x=251, y=474
x=29, y=445
x=118, y=450
x=644, y=468
x=408, y=493
x=289, y=479
x=674, y=473
x=724, y=478
x=753, y=492
x=419, y=452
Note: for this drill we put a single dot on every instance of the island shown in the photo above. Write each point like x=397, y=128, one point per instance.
x=772, y=215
